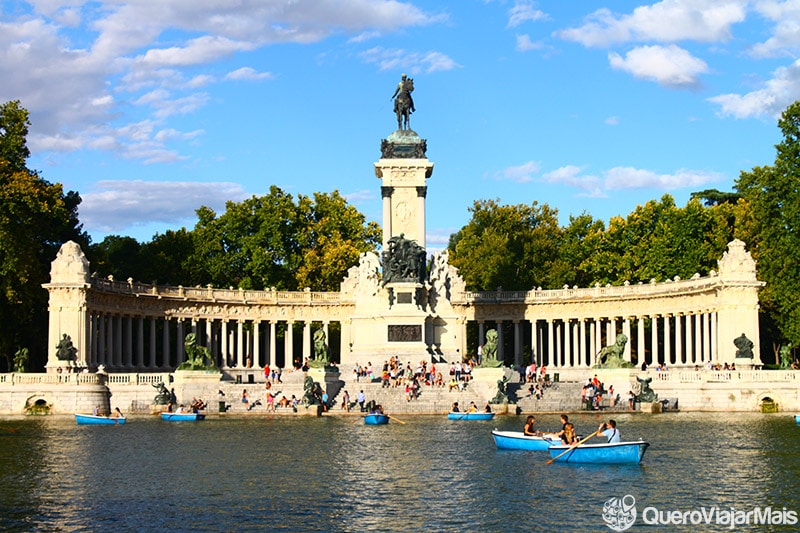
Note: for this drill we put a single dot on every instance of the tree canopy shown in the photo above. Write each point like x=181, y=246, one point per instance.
x=771, y=227
x=36, y=217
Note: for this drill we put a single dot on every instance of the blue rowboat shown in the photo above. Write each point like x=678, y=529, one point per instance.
x=616, y=453
x=376, y=419
x=470, y=416
x=96, y=420
x=517, y=440
x=182, y=417
x=797, y=419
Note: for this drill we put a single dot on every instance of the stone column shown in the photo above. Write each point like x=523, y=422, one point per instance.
x=567, y=343
x=224, y=343
x=653, y=339
x=140, y=344
x=706, y=338
x=698, y=339
x=240, y=347
x=611, y=331
x=550, y=343
x=626, y=330
x=585, y=358
x=680, y=355
x=165, y=362
x=421, y=194
x=598, y=332
x=517, y=342
x=272, y=346
x=501, y=351
x=714, y=354
x=152, y=361
x=640, y=349
x=179, y=356
x=289, y=357
x=386, y=194
x=256, y=344
x=128, y=350
x=668, y=358
x=118, y=342
x=306, y=349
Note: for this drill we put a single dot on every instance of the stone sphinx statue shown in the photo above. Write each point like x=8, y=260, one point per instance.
x=490, y=351
x=612, y=356
x=646, y=394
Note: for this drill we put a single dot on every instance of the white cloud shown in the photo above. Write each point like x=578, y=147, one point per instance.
x=776, y=95
x=670, y=66
x=625, y=178
x=698, y=20
x=411, y=62
x=520, y=174
x=523, y=12
x=247, y=73
x=85, y=53
x=632, y=178
x=120, y=205
x=785, y=37
x=364, y=195
x=524, y=43
x=612, y=121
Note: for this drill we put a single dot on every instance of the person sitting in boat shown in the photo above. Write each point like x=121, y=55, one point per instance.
x=472, y=408
x=454, y=408
x=530, y=429
x=377, y=410
x=487, y=408
x=96, y=410
x=568, y=436
x=609, y=431
x=117, y=413
x=181, y=409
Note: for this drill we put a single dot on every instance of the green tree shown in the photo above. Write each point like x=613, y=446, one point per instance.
x=116, y=256
x=659, y=240
x=271, y=241
x=36, y=217
x=772, y=229
x=514, y=247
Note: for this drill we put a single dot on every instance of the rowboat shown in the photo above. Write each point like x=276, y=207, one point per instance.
x=470, y=416
x=376, y=419
x=83, y=420
x=605, y=453
x=517, y=440
x=797, y=419
x=182, y=417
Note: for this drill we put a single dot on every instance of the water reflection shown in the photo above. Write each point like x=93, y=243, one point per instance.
x=336, y=474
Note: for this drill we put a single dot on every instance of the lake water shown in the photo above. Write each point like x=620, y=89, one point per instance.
x=336, y=474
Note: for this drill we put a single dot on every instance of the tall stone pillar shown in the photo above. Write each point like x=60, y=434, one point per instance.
x=69, y=283
x=403, y=169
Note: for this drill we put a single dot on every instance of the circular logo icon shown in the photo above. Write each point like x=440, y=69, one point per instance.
x=620, y=513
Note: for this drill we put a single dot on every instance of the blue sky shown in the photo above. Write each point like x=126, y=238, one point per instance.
x=151, y=108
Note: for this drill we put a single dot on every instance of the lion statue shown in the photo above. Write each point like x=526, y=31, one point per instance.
x=197, y=357
x=489, y=359
x=612, y=356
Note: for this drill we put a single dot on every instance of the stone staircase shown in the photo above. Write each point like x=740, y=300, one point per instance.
x=560, y=397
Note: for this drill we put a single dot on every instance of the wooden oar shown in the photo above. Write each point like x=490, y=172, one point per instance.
x=570, y=448
x=395, y=419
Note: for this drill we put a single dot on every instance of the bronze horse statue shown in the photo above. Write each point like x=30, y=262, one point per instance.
x=403, y=104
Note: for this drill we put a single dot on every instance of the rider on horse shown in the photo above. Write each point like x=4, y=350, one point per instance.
x=403, y=103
